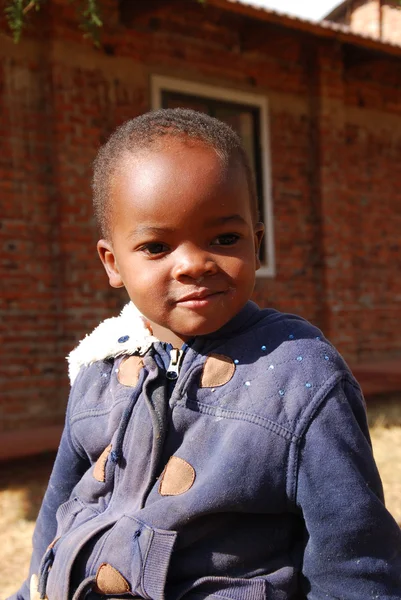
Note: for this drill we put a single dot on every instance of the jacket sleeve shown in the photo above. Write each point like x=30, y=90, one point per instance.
x=352, y=547
x=68, y=469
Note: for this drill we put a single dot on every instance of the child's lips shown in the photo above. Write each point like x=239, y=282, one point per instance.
x=200, y=298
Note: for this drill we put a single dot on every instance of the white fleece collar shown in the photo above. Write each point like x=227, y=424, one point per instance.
x=125, y=334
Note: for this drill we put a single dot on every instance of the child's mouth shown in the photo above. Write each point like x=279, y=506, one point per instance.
x=200, y=298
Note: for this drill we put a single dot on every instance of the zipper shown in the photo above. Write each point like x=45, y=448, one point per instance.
x=176, y=358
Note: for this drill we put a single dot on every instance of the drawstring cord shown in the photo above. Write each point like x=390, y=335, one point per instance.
x=116, y=454
x=137, y=547
x=44, y=571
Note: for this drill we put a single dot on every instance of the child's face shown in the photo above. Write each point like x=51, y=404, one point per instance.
x=183, y=242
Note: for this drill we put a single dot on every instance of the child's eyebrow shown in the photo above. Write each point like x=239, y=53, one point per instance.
x=157, y=231
x=225, y=219
x=148, y=229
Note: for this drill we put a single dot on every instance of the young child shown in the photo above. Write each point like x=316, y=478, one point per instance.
x=211, y=449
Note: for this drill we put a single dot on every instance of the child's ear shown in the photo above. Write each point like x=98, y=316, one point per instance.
x=259, y=231
x=106, y=253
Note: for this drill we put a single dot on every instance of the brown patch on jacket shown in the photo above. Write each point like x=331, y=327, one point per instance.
x=217, y=370
x=110, y=581
x=99, y=472
x=129, y=370
x=178, y=477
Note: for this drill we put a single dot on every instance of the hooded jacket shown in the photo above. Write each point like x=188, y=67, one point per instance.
x=238, y=467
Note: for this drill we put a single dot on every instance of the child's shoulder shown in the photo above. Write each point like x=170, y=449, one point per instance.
x=288, y=362
x=288, y=340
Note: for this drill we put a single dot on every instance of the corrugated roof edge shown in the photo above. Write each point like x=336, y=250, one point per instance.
x=323, y=28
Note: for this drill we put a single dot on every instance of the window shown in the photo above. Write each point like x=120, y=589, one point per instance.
x=247, y=115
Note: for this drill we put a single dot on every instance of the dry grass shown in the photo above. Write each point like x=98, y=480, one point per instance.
x=22, y=485
x=385, y=429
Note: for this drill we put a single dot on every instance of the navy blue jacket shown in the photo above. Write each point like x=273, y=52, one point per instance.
x=248, y=477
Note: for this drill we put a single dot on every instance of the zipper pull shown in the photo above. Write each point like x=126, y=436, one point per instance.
x=174, y=367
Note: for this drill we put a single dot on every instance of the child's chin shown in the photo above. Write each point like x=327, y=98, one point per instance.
x=205, y=328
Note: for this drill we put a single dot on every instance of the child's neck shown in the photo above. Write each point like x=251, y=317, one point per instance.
x=165, y=335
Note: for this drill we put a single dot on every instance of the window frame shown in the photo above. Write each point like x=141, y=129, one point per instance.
x=160, y=84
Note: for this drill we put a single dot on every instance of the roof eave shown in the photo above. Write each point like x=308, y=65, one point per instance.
x=323, y=29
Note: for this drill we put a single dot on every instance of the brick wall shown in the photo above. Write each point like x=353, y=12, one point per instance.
x=365, y=18
x=335, y=141
x=391, y=17
x=379, y=19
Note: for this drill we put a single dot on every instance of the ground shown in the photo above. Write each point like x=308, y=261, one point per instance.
x=22, y=485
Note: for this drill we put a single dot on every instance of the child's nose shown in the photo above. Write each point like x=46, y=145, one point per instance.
x=195, y=264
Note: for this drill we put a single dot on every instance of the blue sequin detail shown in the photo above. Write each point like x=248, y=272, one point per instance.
x=123, y=339
x=317, y=337
x=308, y=385
x=115, y=457
x=299, y=358
x=271, y=366
x=264, y=348
x=236, y=362
x=291, y=336
x=247, y=383
x=281, y=392
x=326, y=357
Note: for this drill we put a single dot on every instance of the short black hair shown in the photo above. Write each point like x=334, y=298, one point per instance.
x=149, y=129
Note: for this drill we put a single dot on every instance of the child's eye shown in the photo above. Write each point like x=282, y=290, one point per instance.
x=154, y=248
x=228, y=239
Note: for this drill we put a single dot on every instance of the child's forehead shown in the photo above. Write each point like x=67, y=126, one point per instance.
x=176, y=165
x=167, y=180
